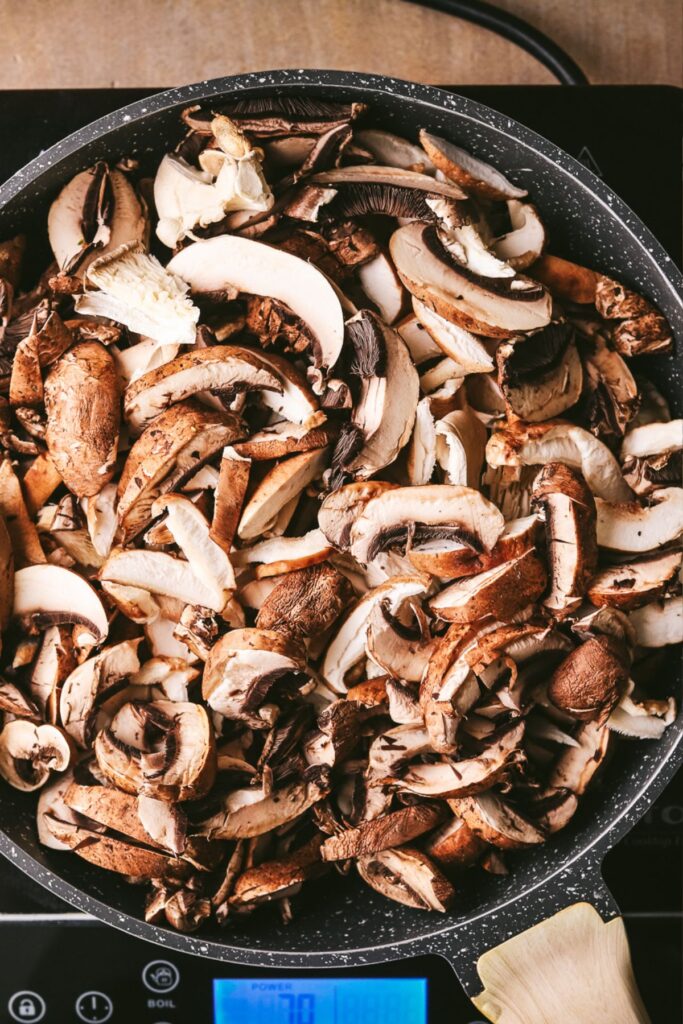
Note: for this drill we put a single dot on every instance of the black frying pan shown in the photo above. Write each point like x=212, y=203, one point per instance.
x=348, y=924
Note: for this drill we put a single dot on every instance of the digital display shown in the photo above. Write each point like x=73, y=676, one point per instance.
x=320, y=1001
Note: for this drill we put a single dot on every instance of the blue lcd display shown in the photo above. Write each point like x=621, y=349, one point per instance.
x=320, y=1001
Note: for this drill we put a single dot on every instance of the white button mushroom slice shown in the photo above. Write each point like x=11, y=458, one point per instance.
x=243, y=666
x=259, y=269
x=421, y=345
x=407, y=876
x=497, y=307
x=130, y=286
x=629, y=527
x=280, y=486
x=525, y=242
x=644, y=720
x=448, y=559
x=284, y=554
x=468, y=353
x=100, y=515
x=165, y=749
x=501, y=591
x=393, y=151
x=659, y=623
x=220, y=368
x=30, y=752
x=164, y=677
x=382, y=285
x=136, y=604
x=540, y=374
x=190, y=531
x=15, y=703
x=460, y=447
x=249, y=812
x=159, y=573
x=418, y=513
x=86, y=689
x=471, y=173
x=348, y=646
x=652, y=439
x=632, y=584
x=48, y=595
x=557, y=441
x=421, y=460
x=496, y=822
x=160, y=633
x=95, y=213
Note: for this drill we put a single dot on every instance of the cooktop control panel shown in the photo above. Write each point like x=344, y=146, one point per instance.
x=67, y=968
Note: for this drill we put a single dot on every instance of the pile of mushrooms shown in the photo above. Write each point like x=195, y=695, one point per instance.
x=338, y=526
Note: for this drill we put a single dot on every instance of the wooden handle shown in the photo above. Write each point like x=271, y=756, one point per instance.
x=571, y=967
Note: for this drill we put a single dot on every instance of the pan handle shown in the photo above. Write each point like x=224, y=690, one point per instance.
x=564, y=956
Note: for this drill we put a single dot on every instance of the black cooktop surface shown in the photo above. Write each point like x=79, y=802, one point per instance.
x=630, y=136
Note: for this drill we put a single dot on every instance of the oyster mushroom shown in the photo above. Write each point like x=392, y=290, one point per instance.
x=48, y=595
x=651, y=456
x=246, y=813
x=540, y=443
x=279, y=487
x=220, y=369
x=630, y=528
x=132, y=287
x=590, y=680
x=540, y=374
x=472, y=174
x=259, y=269
x=82, y=437
x=497, y=307
x=409, y=515
x=501, y=591
x=164, y=749
x=30, y=752
x=388, y=830
x=407, y=876
x=561, y=496
x=632, y=584
x=94, y=214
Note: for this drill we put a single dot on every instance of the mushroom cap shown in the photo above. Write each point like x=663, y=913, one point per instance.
x=49, y=595
x=306, y=602
x=501, y=591
x=588, y=683
x=407, y=876
x=472, y=174
x=82, y=436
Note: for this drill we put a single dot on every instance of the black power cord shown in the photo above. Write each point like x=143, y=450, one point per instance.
x=528, y=38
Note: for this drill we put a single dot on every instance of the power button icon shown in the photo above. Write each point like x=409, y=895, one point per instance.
x=26, y=1006
x=160, y=976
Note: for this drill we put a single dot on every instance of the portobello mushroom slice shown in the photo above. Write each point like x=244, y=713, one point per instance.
x=383, y=833
x=49, y=595
x=540, y=374
x=254, y=268
x=408, y=876
x=29, y=752
x=497, y=307
x=472, y=174
x=632, y=529
x=500, y=592
x=633, y=584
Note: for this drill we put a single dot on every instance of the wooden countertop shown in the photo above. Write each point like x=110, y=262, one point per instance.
x=74, y=43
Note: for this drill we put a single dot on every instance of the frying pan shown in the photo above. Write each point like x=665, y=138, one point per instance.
x=348, y=924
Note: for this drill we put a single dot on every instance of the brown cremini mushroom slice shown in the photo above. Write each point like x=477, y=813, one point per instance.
x=383, y=833
x=501, y=591
x=640, y=329
x=646, y=719
x=448, y=559
x=95, y=213
x=496, y=822
x=89, y=685
x=632, y=584
x=408, y=876
x=557, y=441
x=306, y=602
x=47, y=340
x=410, y=515
x=159, y=572
x=339, y=510
x=231, y=488
x=497, y=307
x=652, y=456
x=589, y=682
x=567, y=506
x=285, y=438
x=191, y=532
x=165, y=749
x=243, y=666
x=454, y=846
x=568, y=281
x=6, y=576
x=460, y=447
x=540, y=374
x=220, y=368
x=659, y=623
x=53, y=813
x=524, y=243
x=127, y=814
x=633, y=529
x=257, y=269
x=472, y=174
x=392, y=150
x=82, y=437
x=401, y=649
x=48, y=595
x=577, y=765
x=246, y=813
x=612, y=397
x=30, y=752
x=382, y=286
x=105, y=851
x=284, y=554
x=281, y=485
x=277, y=879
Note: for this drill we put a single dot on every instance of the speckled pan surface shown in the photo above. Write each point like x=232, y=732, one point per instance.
x=348, y=923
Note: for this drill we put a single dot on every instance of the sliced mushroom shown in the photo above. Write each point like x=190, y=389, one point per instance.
x=561, y=496
x=383, y=833
x=243, y=666
x=659, y=623
x=645, y=720
x=454, y=845
x=467, y=352
x=277, y=879
x=136, y=862
x=48, y=595
x=525, y=242
x=131, y=287
x=501, y=591
x=577, y=765
x=191, y=532
x=540, y=443
x=340, y=509
x=160, y=573
x=612, y=394
x=164, y=749
x=449, y=559
x=30, y=752
x=541, y=374
x=280, y=486
x=407, y=876
x=472, y=174
x=284, y=554
x=410, y=515
x=6, y=577
x=127, y=815
x=629, y=528
x=632, y=584
x=220, y=368
x=589, y=682
x=400, y=649
x=89, y=685
x=460, y=447
x=393, y=151
x=259, y=269
x=497, y=307
x=651, y=456
x=382, y=286
x=306, y=602
x=496, y=822
x=285, y=438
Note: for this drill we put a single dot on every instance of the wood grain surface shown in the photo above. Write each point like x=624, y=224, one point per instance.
x=78, y=43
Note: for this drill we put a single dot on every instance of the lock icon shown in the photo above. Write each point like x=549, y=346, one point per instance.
x=27, y=1007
